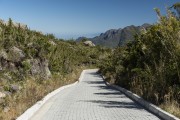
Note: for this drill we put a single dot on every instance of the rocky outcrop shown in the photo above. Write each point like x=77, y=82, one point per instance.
x=9, y=60
x=40, y=67
x=15, y=54
x=15, y=59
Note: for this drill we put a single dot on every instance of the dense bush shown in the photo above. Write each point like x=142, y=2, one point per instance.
x=149, y=66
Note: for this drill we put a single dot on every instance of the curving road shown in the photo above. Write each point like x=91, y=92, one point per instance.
x=91, y=99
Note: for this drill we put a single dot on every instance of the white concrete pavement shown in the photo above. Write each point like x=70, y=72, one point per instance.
x=91, y=99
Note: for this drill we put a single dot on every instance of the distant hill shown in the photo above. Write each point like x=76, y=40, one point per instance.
x=116, y=37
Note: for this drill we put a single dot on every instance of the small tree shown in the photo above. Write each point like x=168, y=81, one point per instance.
x=10, y=22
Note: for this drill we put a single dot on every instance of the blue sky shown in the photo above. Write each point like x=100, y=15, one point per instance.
x=74, y=18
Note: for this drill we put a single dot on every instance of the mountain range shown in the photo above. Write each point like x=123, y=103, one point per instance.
x=117, y=37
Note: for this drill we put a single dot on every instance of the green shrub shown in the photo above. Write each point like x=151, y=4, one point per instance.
x=26, y=65
x=149, y=66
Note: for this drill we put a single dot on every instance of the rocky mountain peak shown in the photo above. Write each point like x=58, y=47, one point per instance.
x=117, y=37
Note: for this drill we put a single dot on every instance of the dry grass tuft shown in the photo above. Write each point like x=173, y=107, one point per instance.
x=172, y=107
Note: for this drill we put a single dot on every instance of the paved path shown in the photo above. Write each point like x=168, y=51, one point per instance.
x=91, y=99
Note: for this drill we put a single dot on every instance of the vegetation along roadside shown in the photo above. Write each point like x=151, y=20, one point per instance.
x=149, y=66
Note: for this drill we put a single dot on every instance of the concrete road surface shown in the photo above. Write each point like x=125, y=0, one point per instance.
x=91, y=99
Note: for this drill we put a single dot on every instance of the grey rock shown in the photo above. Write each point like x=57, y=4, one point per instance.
x=3, y=59
x=12, y=66
x=2, y=95
x=6, y=109
x=15, y=54
x=40, y=68
x=15, y=88
x=35, y=66
x=45, y=69
x=89, y=43
x=4, y=63
x=3, y=54
x=7, y=93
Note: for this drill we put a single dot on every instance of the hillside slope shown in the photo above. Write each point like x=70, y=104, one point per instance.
x=33, y=64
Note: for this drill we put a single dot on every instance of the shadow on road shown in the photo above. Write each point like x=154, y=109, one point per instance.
x=115, y=104
x=109, y=97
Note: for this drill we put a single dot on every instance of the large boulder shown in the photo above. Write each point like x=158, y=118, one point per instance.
x=15, y=54
x=89, y=43
x=40, y=68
